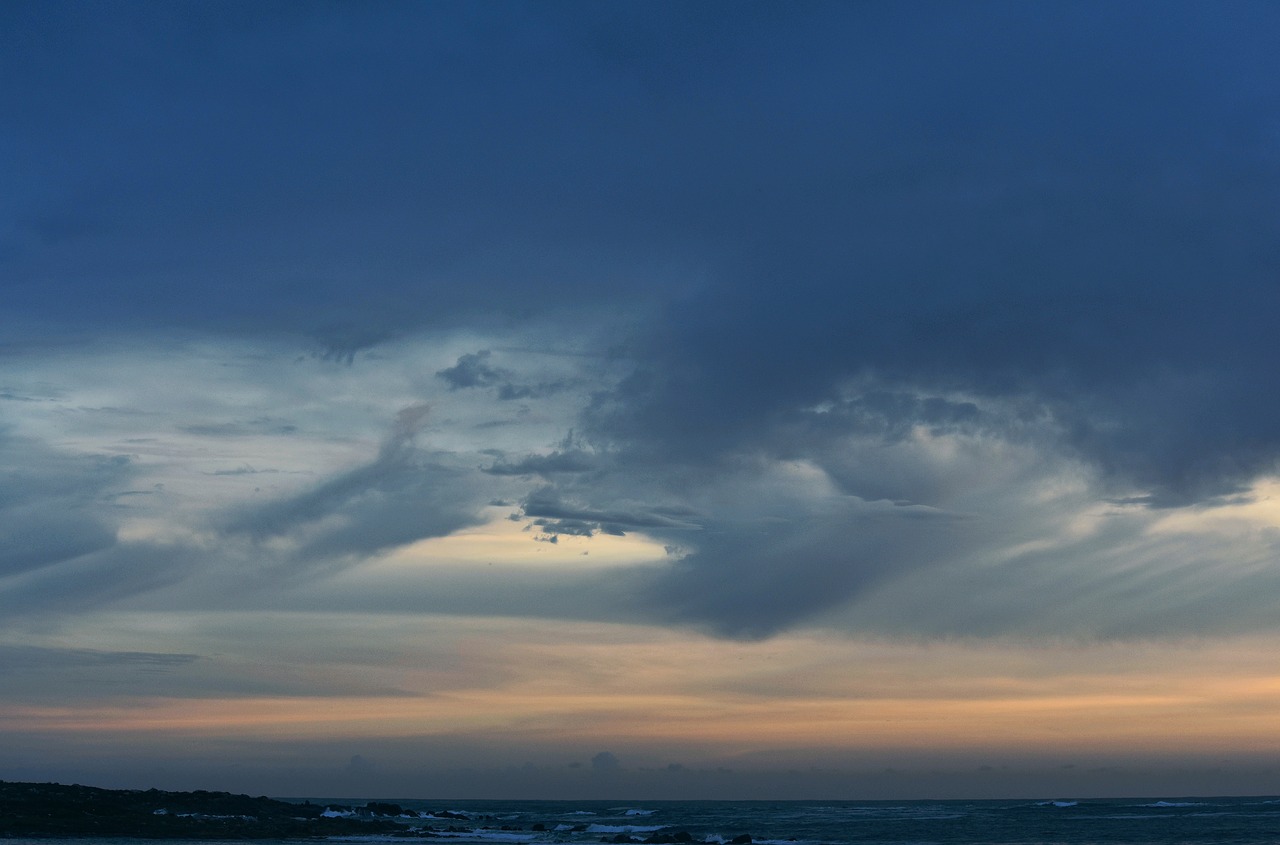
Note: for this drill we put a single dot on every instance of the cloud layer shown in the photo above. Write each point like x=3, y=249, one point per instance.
x=737, y=323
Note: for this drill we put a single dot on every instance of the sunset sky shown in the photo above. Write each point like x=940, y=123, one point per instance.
x=641, y=399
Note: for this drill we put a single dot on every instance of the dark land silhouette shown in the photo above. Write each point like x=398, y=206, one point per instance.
x=58, y=810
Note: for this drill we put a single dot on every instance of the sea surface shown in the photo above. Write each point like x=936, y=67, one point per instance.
x=1186, y=821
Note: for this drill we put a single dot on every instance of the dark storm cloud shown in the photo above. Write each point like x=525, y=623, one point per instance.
x=341, y=173
x=754, y=580
x=1088, y=225
x=1051, y=224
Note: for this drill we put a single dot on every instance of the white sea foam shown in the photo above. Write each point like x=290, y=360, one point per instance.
x=1174, y=804
x=1056, y=803
x=483, y=835
x=624, y=828
x=376, y=837
x=639, y=812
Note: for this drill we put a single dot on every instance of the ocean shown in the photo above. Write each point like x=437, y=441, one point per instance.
x=1183, y=821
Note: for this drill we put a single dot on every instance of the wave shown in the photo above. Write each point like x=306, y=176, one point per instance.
x=485, y=835
x=1057, y=803
x=373, y=837
x=624, y=828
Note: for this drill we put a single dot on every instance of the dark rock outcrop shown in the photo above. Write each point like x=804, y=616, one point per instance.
x=57, y=810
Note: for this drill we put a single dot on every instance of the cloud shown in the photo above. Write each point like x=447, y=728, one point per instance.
x=546, y=465
x=605, y=762
x=342, y=341
x=472, y=370
x=242, y=428
x=401, y=496
x=547, y=503
x=508, y=392
x=842, y=324
x=24, y=658
x=881, y=324
x=55, y=505
x=107, y=575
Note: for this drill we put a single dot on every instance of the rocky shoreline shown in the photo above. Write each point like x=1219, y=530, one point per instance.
x=42, y=810
x=53, y=810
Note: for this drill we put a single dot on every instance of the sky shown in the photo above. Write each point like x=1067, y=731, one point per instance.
x=641, y=399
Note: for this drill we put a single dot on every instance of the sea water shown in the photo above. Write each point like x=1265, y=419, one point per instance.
x=1181, y=821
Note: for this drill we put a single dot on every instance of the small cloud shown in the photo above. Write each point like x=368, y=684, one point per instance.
x=572, y=527
x=472, y=370
x=241, y=428
x=341, y=342
x=605, y=761
x=515, y=391
x=510, y=391
x=546, y=465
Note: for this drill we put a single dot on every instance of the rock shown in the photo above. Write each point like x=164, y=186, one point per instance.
x=57, y=811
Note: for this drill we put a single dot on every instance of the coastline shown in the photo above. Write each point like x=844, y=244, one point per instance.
x=53, y=810
x=35, y=813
